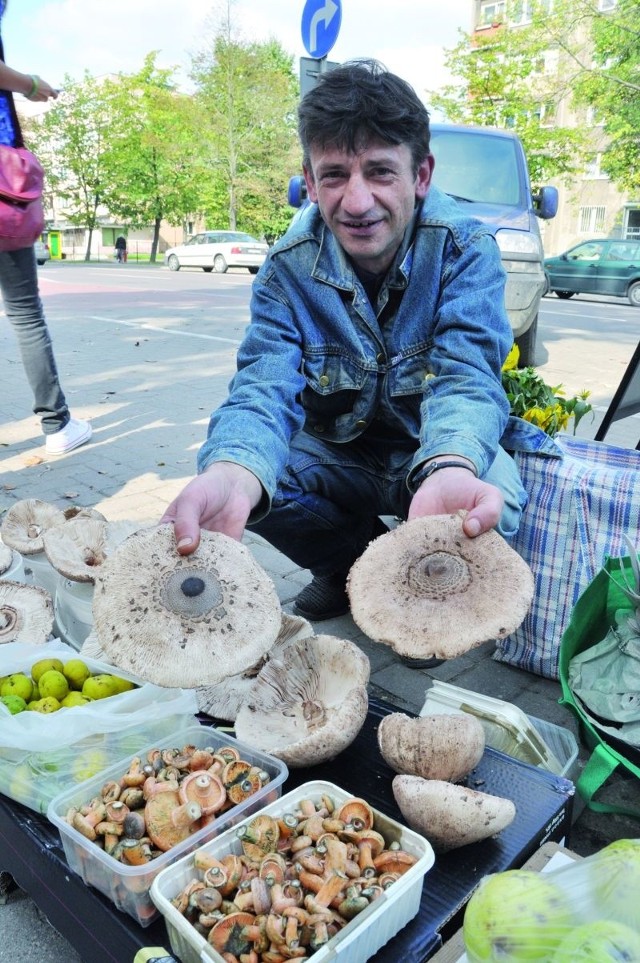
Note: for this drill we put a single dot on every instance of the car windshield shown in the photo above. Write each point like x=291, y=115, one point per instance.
x=476, y=167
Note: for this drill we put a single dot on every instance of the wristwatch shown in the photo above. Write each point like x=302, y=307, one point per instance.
x=429, y=469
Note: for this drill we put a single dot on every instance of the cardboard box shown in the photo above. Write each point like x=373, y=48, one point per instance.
x=453, y=949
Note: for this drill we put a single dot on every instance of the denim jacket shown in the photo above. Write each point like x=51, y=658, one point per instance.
x=423, y=366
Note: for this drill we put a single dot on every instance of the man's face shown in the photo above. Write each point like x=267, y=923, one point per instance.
x=367, y=199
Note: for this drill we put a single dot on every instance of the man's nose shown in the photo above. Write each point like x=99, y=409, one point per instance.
x=357, y=198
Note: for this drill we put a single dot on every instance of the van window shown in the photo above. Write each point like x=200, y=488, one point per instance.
x=477, y=167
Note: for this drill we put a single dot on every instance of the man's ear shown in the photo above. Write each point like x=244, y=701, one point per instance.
x=423, y=177
x=311, y=184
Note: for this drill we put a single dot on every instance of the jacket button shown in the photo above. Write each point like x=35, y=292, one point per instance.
x=360, y=423
x=429, y=375
x=323, y=381
x=380, y=358
x=319, y=428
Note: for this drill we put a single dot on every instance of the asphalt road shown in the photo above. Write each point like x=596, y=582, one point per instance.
x=117, y=312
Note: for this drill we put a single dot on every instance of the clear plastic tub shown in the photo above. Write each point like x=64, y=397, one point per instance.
x=128, y=886
x=73, y=611
x=358, y=941
x=508, y=729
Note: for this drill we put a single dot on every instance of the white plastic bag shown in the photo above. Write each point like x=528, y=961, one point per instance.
x=41, y=753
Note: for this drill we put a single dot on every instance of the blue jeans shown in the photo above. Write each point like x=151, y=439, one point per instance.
x=324, y=508
x=23, y=307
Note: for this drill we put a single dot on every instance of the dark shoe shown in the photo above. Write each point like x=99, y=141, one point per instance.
x=325, y=597
x=420, y=663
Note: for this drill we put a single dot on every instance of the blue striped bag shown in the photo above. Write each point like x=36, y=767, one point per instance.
x=580, y=505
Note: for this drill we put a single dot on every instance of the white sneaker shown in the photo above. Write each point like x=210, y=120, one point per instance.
x=74, y=434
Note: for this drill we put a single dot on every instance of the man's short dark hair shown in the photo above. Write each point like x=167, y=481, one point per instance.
x=360, y=101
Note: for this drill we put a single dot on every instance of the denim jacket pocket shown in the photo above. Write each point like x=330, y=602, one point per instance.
x=337, y=387
x=409, y=373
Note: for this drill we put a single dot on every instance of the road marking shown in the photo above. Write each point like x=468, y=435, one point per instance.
x=152, y=327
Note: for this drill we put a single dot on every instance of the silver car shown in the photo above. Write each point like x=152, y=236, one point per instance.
x=42, y=252
x=217, y=251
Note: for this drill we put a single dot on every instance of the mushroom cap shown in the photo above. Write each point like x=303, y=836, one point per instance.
x=427, y=590
x=445, y=747
x=183, y=621
x=78, y=548
x=309, y=703
x=448, y=815
x=25, y=523
x=6, y=557
x=26, y=613
x=224, y=699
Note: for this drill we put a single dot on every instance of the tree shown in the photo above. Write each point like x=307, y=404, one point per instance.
x=247, y=95
x=610, y=84
x=506, y=82
x=70, y=141
x=151, y=168
x=597, y=52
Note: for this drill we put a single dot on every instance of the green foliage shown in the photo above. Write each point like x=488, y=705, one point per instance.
x=502, y=81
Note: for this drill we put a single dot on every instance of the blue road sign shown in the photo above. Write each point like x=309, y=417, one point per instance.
x=320, y=25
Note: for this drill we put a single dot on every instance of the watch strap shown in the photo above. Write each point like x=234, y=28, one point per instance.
x=434, y=466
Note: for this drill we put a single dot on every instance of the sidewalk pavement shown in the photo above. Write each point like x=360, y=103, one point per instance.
x=142, y=454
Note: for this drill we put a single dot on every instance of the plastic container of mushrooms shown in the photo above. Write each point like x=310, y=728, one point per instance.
x=128, y=885
x=369, y=928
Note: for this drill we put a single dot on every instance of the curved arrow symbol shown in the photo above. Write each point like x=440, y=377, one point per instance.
x=322, y=15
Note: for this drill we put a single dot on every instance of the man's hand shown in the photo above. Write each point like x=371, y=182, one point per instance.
x=451, y=489
x=220, y=500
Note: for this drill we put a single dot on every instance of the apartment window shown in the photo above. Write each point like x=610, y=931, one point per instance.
x=593, y=170
x=550, y=60
x=591, y=220
x=547, y=114
x=521, y=12
x=492, y=13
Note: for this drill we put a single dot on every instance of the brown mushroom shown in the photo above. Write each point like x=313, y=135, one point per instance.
x=184, y=620
x=25, y=523
x=449, y=815
x=230, y=935
x=205, y=789
x=428, y=590
x=308, y=704
x=168, y=820
x=26, y=613
x=442, y=746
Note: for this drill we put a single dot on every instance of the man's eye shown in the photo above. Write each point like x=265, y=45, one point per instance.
x=331, y=176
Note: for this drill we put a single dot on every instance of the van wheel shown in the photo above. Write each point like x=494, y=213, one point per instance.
x=634, y=294
x=565, y=294
x=527, y=345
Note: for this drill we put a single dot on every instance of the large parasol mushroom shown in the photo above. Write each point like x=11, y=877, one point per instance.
x=26, y=613
x=308, y=704
x=25, y=523
x=184, y=620
x=224, y=700
x=428, y=590
x=78, y=548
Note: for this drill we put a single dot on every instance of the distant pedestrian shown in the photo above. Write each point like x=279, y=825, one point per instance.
x=121, y=249
x=19, y=288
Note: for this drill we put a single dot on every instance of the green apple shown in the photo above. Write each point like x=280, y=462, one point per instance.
x=53, y=683
x=602, y=941
x=43, y=665
x=14, y=703
x=17, y=684
x=518, y=915
x=99, y=687
x=76, y=673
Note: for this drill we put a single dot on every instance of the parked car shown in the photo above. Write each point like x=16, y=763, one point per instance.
x=217, y=251
x=597, y=267
x=486, y=171
x=42, y=252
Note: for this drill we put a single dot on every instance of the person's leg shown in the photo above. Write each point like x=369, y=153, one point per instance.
x=324, y=513
x=23, y=307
